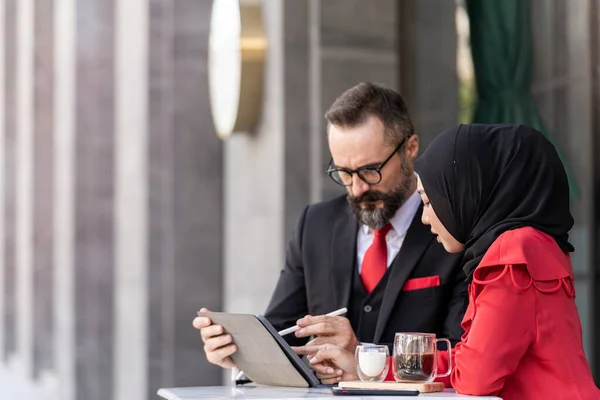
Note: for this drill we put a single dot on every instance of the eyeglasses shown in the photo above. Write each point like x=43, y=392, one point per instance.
x=369, y=174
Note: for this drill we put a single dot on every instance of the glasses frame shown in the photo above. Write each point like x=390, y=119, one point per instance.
x=330, y=170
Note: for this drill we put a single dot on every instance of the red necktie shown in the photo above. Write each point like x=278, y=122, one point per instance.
x=374, y=263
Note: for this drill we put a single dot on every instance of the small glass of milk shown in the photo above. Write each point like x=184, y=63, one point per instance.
x=372, y=362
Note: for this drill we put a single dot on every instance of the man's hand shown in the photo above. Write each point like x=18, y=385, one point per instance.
x=217, y=346
x=332, y=330
x=332, y=363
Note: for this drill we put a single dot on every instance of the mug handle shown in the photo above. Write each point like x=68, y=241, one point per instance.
x=449, y=359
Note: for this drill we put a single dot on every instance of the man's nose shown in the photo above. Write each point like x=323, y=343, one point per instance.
x=358, y=186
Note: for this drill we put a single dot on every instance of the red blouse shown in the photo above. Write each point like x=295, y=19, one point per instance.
x=522, y=335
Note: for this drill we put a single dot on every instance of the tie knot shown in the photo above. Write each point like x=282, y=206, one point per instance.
x=383, y=231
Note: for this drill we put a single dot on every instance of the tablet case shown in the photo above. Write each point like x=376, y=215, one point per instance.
x=263, y=355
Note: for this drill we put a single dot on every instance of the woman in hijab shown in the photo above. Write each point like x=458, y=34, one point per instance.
x=500, y=194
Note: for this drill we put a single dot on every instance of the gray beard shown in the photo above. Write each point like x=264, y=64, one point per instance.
x=377, y=218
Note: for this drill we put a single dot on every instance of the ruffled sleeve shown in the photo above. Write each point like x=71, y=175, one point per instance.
x=499, y=327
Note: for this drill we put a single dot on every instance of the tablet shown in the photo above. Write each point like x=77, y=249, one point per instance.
x=338, y=391
x=263, y=355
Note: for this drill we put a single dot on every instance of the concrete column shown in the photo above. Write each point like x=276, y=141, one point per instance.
x=357, y=43
x=161, y=233
x=594, y=355
x=185, y=189
x=562, y=79
x=131, y=200
x=94, y=191
x=302, y=109
x=428, y=51
x=579, y=155
x=43, y=196
x=10, y=55
x=197, y=193
x=24, y=185
x=2, y=177
x=64, y=196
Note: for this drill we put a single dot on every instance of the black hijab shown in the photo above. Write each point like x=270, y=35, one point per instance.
x=483, y=180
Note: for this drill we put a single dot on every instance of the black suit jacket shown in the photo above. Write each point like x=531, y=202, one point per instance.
x=317, y=277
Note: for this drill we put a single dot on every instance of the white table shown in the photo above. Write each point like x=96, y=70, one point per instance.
x=273, y=392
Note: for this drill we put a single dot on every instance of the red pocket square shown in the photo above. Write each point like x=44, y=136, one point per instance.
x=421, y=283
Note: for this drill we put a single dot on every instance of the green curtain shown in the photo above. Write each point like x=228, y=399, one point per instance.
x=501, y=45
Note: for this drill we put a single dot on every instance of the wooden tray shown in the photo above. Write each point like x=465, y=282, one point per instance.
x=421, y=387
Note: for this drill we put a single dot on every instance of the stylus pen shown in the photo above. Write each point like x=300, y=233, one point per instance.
x=294, y=328
x=239, y=376
x=234, y=374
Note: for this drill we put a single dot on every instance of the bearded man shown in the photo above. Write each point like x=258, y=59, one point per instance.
x=366, y=250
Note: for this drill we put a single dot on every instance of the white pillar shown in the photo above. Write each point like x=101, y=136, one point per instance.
x=64, y=205
x=131, y=136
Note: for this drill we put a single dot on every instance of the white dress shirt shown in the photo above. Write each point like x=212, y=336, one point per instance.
x=400, y=223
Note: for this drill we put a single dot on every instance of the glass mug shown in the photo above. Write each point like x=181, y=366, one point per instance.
x=371, y=362
x=415, y=357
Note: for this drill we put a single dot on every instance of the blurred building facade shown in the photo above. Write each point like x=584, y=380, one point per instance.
x=122, y=213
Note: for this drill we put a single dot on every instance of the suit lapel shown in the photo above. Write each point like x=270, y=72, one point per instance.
x=343, y=254
x=415, y=243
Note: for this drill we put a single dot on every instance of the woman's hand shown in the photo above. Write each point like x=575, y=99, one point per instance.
x=332, y=363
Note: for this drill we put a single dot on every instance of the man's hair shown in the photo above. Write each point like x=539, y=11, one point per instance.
x=366, y=99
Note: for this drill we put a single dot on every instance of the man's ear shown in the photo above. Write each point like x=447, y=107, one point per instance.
x=412, y=147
